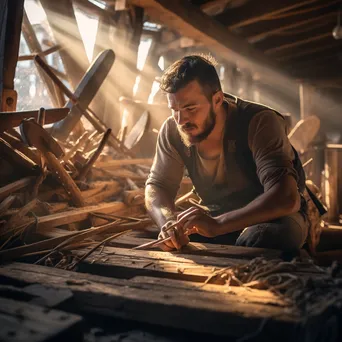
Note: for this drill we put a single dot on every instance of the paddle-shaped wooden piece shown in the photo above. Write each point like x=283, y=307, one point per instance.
x=304, y=132
x=13, y=119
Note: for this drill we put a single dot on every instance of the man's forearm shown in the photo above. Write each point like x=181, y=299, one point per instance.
x=281, y=200
x=159, y=204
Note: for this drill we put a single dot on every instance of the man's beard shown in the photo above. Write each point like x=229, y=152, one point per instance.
x=208, y=127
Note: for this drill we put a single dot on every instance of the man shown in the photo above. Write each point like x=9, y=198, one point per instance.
x=239, y=159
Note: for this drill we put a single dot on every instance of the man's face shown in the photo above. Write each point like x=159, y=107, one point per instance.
x=193, y=113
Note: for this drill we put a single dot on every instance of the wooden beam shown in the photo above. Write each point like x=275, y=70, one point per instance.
x=267, y=28
x=227, y=313
x=12, y=40
x=301, y=36
x=10, y=28
x=236, y=18
x=50, y=50
x=280, y=48
x=310, y=51
x=191, y=22
x=15, y=186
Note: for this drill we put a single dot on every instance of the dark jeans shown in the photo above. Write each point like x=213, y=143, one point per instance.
x=287, y=233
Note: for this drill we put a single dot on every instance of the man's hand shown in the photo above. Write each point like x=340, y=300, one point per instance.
x=195, y=220
x=192, y=220
x=178, y=238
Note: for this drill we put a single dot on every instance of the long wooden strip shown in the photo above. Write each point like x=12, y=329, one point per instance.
x=205, y=248
x=123, y=162
x=73, y=237
x=15, y=186
x=15, y=156
x=217, y=313
x=44, y=223
x=13, y=119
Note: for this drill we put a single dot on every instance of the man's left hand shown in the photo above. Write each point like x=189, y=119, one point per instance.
x=195, y=220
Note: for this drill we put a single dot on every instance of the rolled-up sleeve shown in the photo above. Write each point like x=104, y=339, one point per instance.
x=271, y=148
x=167, y=168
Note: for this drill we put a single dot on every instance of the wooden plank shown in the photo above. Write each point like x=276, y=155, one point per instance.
x=11, y=19
x=242, y=293
x=122, y=162
x=15, y=186
x=208, y=249
x=13, y=119
x=127, y=263
x=76, y=215
x=27, y=322
x=201, y=311
x=121, y=262
x=12, y=14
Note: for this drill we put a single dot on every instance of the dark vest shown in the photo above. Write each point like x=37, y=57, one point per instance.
x=236, y=129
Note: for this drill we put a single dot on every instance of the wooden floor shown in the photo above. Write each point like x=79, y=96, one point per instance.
x=152, y=288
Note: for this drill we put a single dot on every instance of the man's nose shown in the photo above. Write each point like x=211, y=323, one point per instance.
x=181, y=117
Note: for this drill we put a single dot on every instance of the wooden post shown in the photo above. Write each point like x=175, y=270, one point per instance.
x=11, y=13
x=307, y=96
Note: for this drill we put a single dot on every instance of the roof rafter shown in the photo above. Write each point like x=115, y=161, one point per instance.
x=239, y=17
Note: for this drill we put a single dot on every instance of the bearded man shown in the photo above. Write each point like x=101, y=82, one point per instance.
x=239, y=159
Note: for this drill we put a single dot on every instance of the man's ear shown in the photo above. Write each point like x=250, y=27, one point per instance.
x=218, y=99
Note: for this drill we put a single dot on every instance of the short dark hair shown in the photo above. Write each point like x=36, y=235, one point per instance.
x=190, y=68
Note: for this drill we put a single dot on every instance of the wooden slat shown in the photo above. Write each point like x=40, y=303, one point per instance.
x=242, y=293
x=122, y=162
x=27, y=322
x=121, y=262
x=201, y=311
x=15, y=186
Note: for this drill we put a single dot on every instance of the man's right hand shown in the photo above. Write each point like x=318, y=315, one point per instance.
x=178, y=238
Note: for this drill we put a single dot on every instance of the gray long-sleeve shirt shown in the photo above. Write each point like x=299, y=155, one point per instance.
x=267, y=139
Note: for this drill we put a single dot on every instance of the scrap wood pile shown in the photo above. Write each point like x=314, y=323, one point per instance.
x=75, y=185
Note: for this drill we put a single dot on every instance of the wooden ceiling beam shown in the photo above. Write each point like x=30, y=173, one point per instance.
x=334, y=54
x=191, y=22
x=268, y=30
x=310, y=51
x=276, y=50
x=290, y=40
x=255, y=11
